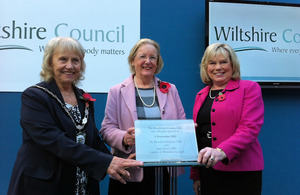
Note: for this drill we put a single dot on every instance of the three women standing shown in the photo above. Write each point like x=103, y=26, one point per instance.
x=62, y=152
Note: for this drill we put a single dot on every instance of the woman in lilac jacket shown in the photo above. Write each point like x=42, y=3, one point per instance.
x=229, y=113
x=141, y=96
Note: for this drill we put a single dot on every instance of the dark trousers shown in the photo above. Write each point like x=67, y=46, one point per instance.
x=215, y=182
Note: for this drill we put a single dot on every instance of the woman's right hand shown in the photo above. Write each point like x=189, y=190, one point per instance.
x=129, y=137
x=118, y=166
x=196, y=186
x=132, y=156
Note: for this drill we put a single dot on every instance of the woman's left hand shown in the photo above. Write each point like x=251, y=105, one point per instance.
x=129, y=137
x=210, y=156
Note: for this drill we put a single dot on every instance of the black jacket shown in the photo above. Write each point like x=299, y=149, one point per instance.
x=47, y=160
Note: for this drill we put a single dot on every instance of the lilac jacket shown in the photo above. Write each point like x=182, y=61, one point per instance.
x=121, y=112
x=235, y=125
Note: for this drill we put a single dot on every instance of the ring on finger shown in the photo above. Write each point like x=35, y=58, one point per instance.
x=212, y=158
x=123, y=173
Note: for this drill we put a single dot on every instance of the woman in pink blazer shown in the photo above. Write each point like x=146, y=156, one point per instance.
x=141, y=96
x=229, y=113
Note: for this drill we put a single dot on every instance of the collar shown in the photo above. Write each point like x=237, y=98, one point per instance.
x=52, y=86
x=231, y=85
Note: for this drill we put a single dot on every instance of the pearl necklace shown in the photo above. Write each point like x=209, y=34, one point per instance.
x=210, y=95
x=149, y=106
x=216, y=95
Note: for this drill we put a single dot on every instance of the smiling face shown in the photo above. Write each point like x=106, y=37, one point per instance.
x=66, y=67
x=219, y=70
x=145, y=61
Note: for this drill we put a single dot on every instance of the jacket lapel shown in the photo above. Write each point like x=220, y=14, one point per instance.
x=201, y=95
x=51, y=86
x=128, y=95
x=81, y=102
x=162, y=97
x=232, y=85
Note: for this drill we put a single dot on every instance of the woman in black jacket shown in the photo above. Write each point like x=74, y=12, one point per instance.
x=62, y=152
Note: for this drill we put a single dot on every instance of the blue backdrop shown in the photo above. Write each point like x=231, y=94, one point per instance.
x=179, y=27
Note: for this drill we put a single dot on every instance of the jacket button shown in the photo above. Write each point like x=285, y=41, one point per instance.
x=214, y=138
x=217, y=99
x=213, y=110
x=213, y=123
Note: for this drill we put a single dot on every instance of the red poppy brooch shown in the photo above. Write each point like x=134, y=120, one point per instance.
x=87, y=97
x=164, y=86
x=221, y=96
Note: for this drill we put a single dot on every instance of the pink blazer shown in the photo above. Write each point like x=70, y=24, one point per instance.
x=121, y=112
x=236, y=122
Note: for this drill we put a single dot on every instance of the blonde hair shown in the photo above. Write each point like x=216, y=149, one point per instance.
x=214, y=50
x=133, y=51
x=64, y=43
